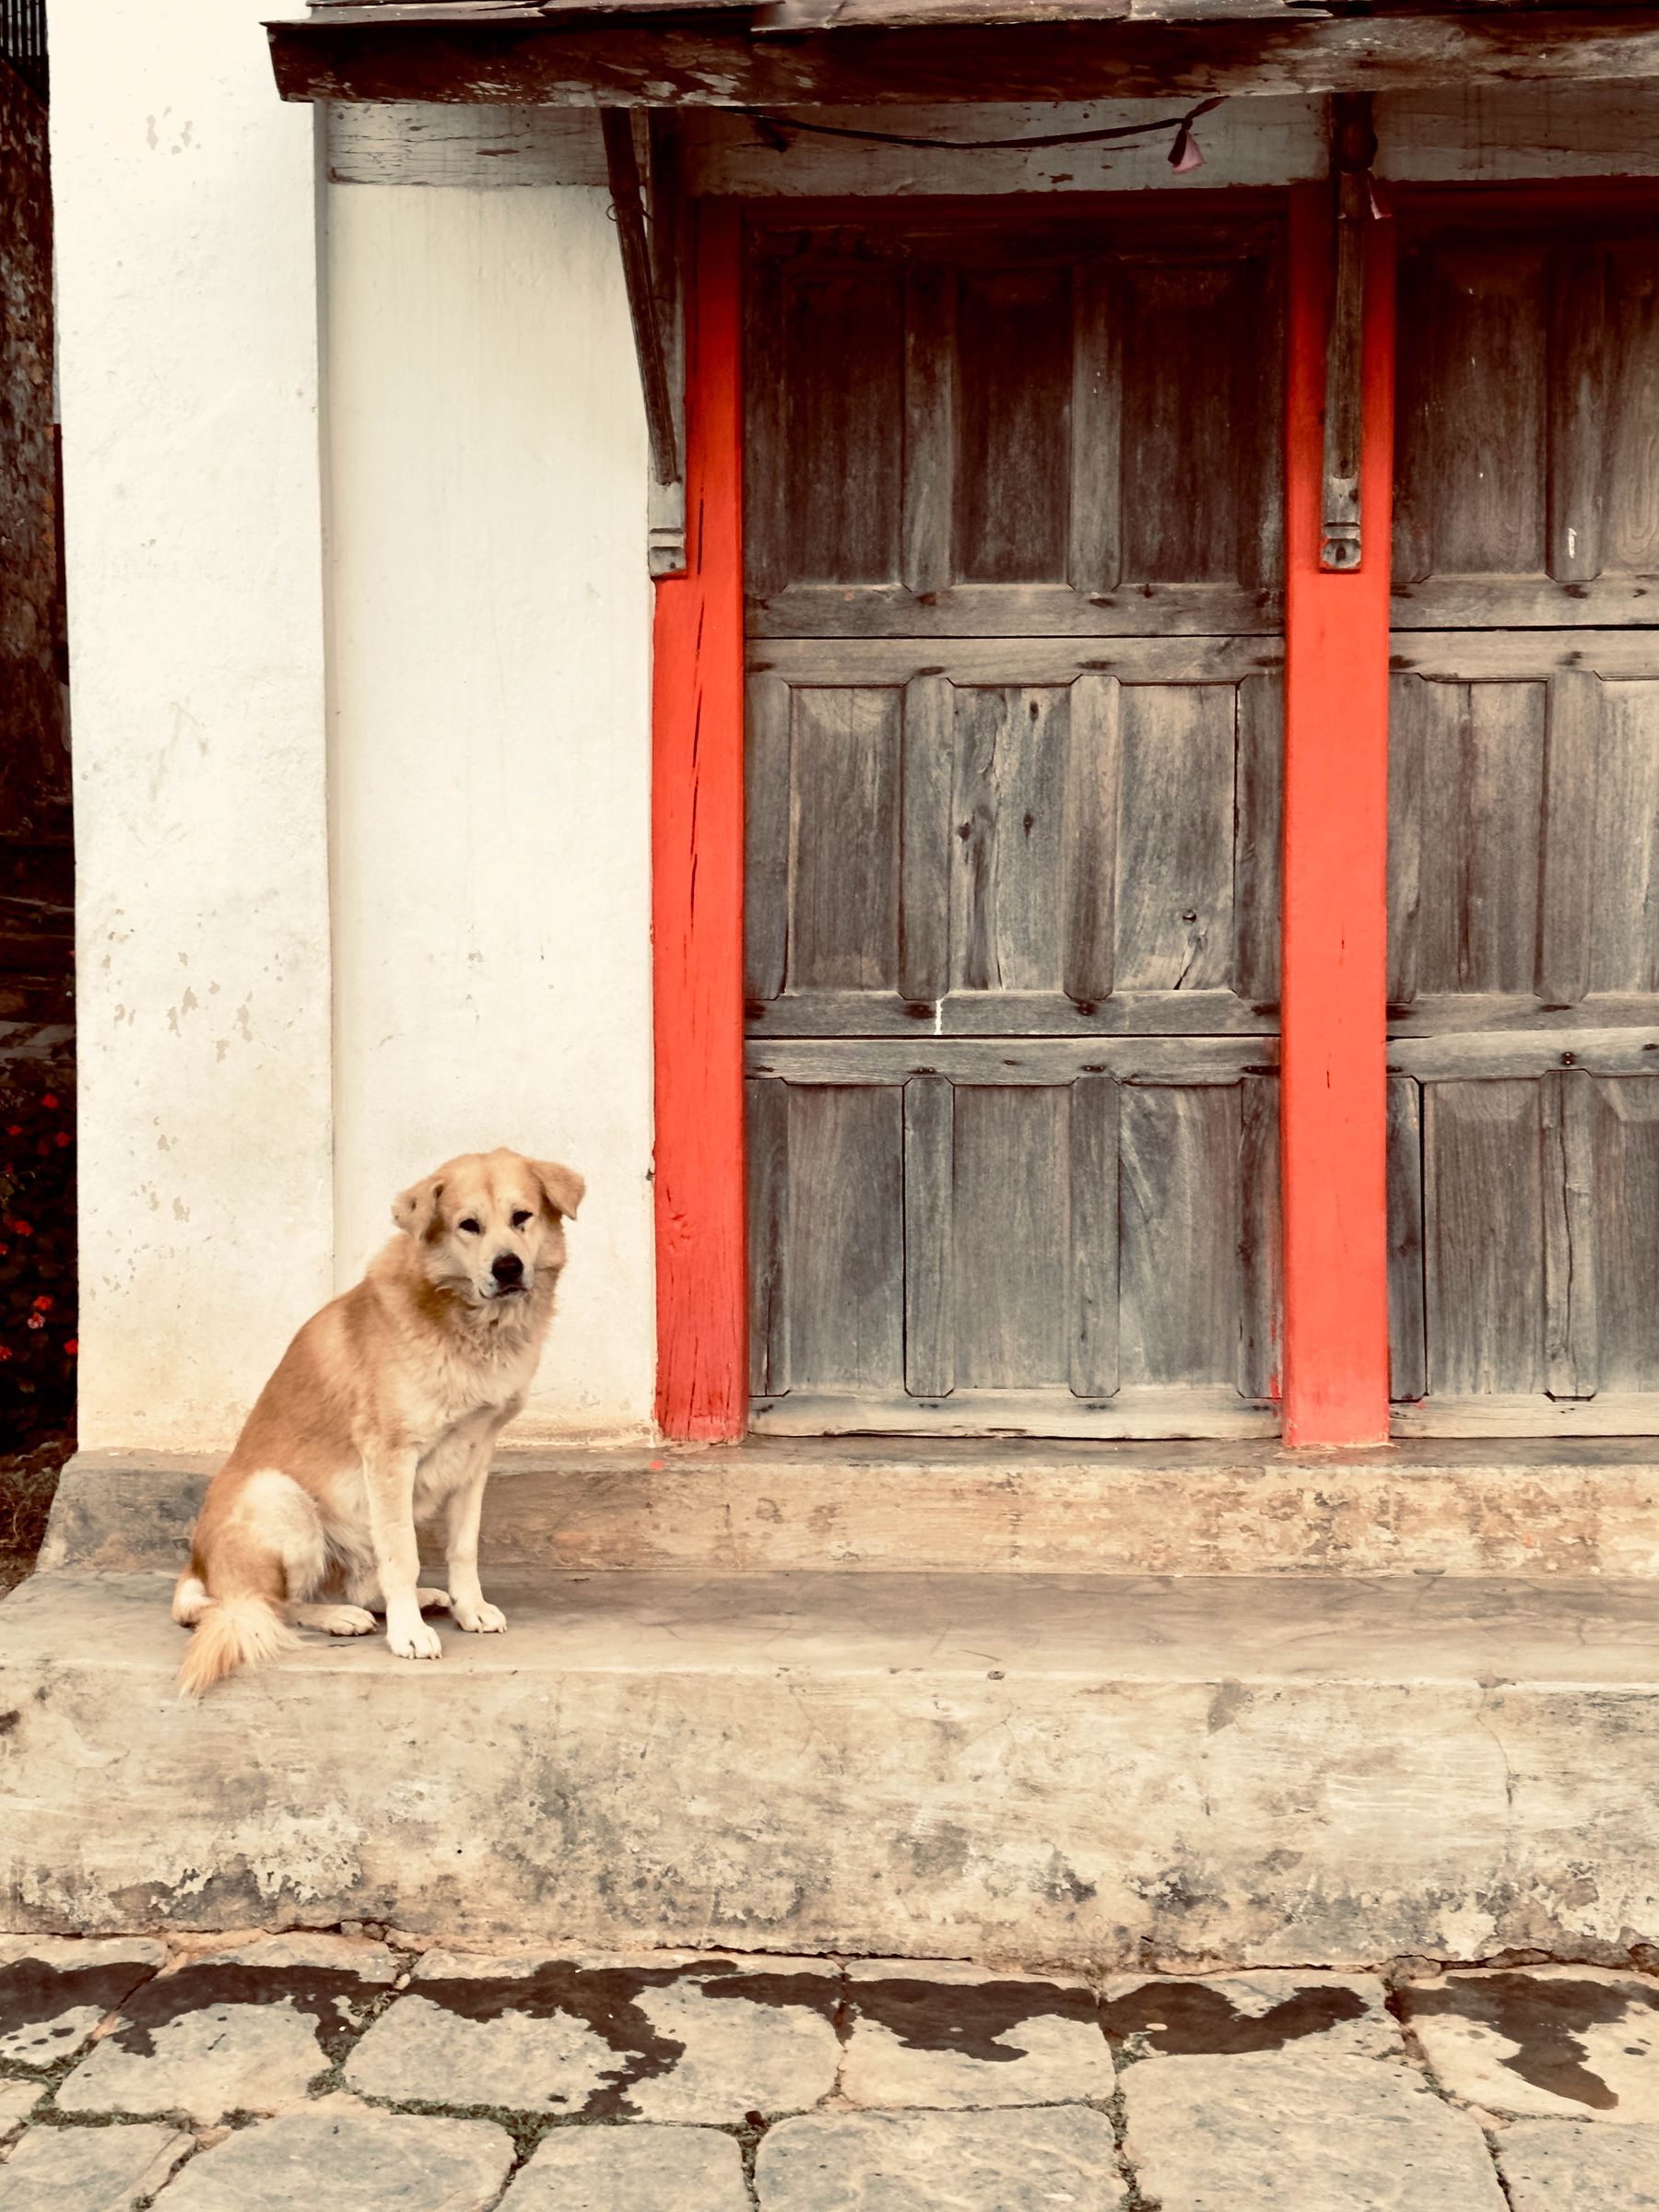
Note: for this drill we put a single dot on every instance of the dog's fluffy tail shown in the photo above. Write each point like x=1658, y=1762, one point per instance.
x=243, y=1628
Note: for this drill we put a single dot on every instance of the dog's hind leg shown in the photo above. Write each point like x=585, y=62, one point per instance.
x=334, y=1620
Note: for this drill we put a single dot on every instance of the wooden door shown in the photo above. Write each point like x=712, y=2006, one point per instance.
x=1012, y=524
x=1524, y=864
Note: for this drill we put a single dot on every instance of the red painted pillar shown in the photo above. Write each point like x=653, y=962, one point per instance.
x=697, y=882
x=1336, y=919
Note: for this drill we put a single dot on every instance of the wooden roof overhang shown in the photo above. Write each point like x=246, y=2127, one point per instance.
x=861, y=53
x=628, y=56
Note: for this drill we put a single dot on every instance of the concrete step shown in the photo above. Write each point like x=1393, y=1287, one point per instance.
x=1582, y=1506
x=1069, y=1768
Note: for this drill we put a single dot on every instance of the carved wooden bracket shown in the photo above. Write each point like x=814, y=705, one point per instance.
x=649, y=216
x=1353, y=150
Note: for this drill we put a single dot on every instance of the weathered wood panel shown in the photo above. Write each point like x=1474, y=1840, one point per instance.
x=932, y=845
x=1408, y=1347
x=1010, y=1237
x=1528, y=420
x=1179, y=1213
x=1624, y=861
x=843, y=887
x=1483, y=1238
x=1523, y=861
x=844, y=1241
x=1096, y=1113
x=930, y=1310
x=1623, y=1139
x=1016, y=431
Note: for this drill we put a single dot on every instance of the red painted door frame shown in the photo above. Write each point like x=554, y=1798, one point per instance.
x=1333, y=1107
x=696, y=880
x=1336, y=1382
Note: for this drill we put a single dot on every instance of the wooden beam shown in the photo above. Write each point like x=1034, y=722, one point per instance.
x=628, y=205
x=1333, y=1138
x=620, y=61
x=1353, y=150
x=697, y=885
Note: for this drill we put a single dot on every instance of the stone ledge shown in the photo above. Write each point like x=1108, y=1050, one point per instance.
x=1069, y=1768
x=996, y=1505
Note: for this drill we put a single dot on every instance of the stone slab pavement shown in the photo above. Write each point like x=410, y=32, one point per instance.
x=363, y=2071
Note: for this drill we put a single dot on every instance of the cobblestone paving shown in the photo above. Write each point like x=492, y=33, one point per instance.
x=370, y=2072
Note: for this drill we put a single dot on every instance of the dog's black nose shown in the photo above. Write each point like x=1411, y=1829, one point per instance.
x=507, y=1267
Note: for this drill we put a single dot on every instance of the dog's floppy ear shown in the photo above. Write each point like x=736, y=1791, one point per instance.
x=413, y=1210
x=563, y=1188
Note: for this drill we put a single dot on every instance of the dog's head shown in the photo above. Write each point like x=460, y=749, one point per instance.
x=490, y=1225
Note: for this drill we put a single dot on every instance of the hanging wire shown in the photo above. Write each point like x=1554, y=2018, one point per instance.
x=777, y=129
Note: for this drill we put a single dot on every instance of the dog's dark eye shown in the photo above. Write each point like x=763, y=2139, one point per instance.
x=473, y=1229
x=519, y=1220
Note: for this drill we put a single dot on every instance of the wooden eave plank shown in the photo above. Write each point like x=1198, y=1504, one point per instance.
x=341, y=57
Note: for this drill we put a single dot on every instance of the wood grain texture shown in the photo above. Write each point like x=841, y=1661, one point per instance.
x=767, y=782
x=1624, y=1152
x=843, y=849
x=1093, y=1288
x=1261, y=1242
x=1258, y=849
x=1624, y=869
x=427, y=57
x=930, y=1310
x=845, y=1263
x=1095, y=552
x=1045, y=1061
x=1022, y=1014
x=1089, y=413
x=1011, y=1245
x=1201, y=1410
x=930, y=435
x=1566, y=891
x=1412, y=711
x=1009, y=863
x=925, y=861
x=1093, y=800
x=767, y=1109
x=1571, y=1337
x=1179, y=1215
x=1530, y=386
x=1483, y=1233
x=1409, y=1365
x=1175, y=837
x=1578, y=392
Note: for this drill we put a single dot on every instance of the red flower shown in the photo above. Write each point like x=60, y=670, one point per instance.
x=50, y=1099
x=5, y=1351
x=36, y=1322
x=14, y=1128
x=21, y=1228
x=42, y=1303
x=63, y=1137
x=72, y=1345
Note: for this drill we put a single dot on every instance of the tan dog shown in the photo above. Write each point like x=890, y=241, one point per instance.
x=382, y=1413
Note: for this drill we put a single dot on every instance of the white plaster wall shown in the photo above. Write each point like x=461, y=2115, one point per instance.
x=489, y=653
x=187, y=333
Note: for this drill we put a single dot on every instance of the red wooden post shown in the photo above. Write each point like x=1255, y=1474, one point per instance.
x=1336, y=919
x=696, y=887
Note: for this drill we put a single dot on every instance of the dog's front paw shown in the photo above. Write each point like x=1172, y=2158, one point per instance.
x=415, y=1641
x=482, y=1619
